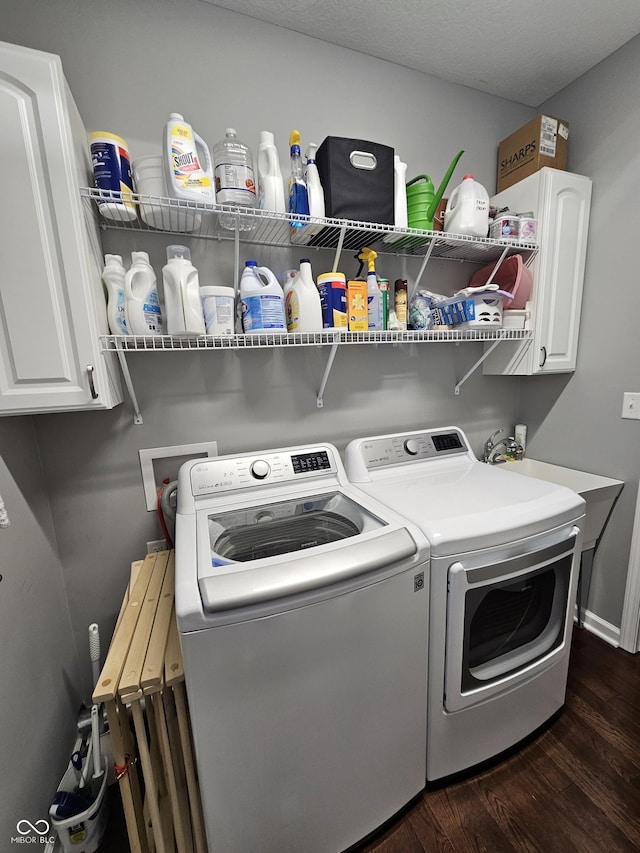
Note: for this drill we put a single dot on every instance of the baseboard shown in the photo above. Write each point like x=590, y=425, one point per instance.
x=607, y=632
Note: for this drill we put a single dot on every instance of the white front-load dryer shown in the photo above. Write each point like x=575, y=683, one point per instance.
x=505, y=557
x=302, y=611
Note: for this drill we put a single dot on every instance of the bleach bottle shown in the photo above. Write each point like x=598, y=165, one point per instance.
x=261, y=300
x=303, y=305
x=270, y=181
x=467, y=210
x=187, y=162
x=182, y=293
x=141, y=304
x=113, y=277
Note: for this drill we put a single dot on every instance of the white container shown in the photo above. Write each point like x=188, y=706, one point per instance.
x=112, y=174
x=528, y=229
x=261, y=300
x=182, y=293
x=520, y=435
x=303, y=305
x=270, y=180
x=234, y=178
x=400, y=192
x=151, y=185
x=218, y=309
x=141, y=304
x=506, y=226
x=374, y=303
x=314, y=187
x=113, y=277
x=467, y=210
x=187, y=162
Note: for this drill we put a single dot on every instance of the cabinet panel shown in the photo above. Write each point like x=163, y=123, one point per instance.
x=50, y=318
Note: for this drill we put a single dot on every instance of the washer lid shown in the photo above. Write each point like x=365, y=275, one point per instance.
x=466, y=507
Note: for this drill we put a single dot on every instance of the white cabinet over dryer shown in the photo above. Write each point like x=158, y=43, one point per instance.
x=51, y=302
x=561, y=202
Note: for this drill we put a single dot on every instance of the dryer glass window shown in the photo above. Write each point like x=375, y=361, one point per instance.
x=269, y=530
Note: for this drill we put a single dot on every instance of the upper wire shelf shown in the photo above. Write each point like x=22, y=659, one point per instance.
x=157, y=215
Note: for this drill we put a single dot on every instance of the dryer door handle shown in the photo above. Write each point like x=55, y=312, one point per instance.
x=305, y=573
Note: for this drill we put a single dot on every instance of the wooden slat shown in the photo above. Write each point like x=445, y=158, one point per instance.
x=173, y=664
x=153, y=669
x=107, y=686
x=193, y=787
x=150, y=781
x=129, y=687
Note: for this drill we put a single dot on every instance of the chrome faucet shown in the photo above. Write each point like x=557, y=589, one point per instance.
x=512, y=448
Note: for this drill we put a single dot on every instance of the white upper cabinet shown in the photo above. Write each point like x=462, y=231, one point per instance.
x=52, y=307
x=561, y=202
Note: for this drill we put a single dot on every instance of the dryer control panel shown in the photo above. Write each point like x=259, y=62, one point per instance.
x=229, y=473
x=412, y=446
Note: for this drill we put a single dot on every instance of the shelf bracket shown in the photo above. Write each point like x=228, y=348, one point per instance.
x=327, y=371
x=336, y=260
x=473, y=369
x=423, y=266
x=137, y=416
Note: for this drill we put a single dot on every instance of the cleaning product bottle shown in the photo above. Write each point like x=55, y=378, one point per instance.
x=261, y=300
x=141, y=305
x=298, y=195
x=182, y=293
x=467, y=210
x=314, y=187
x=400, y=192
x=270, y=182
x=303, y=305
x=187, y=162
x=374, y=296
x=234, y=178
x=113, y=278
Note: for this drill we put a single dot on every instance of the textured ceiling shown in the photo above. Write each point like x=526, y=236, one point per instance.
x=523, y=50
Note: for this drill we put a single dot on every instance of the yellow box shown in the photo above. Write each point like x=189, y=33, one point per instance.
x=357, y=312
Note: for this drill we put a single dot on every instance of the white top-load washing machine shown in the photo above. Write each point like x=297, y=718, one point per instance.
x=505, y=557
x=302, y=611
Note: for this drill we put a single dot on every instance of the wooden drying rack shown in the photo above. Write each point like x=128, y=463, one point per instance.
x=142, y=681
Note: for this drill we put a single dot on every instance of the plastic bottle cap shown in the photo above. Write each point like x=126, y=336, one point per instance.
x=113, y=259
x=230, y=131
x=266, y=137
x=180, y=253
x=467, y=177
x=305, y=261
x=139, y=256
x=251, y=263
x=176, y=116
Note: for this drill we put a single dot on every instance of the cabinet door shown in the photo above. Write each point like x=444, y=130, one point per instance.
x=561, y=202
x=50, y=306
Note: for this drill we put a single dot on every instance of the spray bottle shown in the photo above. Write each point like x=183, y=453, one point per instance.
x=374, y=296
x=298, y=195
x=113, y=278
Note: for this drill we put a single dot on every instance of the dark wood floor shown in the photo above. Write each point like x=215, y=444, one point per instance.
x=575, y=786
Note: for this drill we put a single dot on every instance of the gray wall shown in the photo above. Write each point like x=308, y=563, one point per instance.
x=39, y=673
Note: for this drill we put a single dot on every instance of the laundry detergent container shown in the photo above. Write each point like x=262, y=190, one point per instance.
x=357, y=179
x=511, y=276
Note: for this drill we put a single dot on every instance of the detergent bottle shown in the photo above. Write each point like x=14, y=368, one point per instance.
x=141, y=305
x=374, y=296
x=314, y=187
x=270, y=181
x=182, y=293
x=467, y=210
x=261, y=300
x=303, y=304
x=113, y=278
x=187, y=162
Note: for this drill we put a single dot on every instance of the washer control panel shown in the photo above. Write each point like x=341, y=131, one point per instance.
x=224, y=474
x=411, y=447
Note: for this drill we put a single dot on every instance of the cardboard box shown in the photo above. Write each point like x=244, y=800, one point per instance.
x=541, y=142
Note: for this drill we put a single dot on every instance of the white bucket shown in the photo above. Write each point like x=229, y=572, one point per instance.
x=150, y=184
x=218, y=309
x=82, y=831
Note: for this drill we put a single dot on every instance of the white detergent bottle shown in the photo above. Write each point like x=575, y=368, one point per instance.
x=187, y=162
x=314, y=187
x=182, y=293
x=113, y=278
x=467, y=210
x=141, y=304
x=303, y=305
x=261, y=300
x=400, y=192
x=270, y=180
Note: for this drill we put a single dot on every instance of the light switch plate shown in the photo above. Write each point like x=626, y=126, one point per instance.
x=160, y=463
x=631, y=405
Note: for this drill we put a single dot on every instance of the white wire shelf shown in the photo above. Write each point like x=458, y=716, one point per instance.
x=170, y=343
x=203, y=221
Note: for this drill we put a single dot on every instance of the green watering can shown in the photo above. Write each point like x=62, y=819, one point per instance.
x=422, y=201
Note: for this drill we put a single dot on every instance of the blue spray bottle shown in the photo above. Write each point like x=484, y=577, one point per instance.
x=298, y=195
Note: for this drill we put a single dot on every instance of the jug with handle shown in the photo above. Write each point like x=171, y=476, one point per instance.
x=423, y=200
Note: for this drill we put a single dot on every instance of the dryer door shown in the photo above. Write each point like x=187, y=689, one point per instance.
x=507, y=620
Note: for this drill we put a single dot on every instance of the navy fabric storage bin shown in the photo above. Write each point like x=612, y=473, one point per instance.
x=357, y=179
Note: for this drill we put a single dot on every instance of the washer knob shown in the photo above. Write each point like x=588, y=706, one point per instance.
x=260, y=469
x=411, y=446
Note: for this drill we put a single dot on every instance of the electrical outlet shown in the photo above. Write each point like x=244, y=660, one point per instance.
x=156, y=545
x=631, y=405
x=158, y=464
